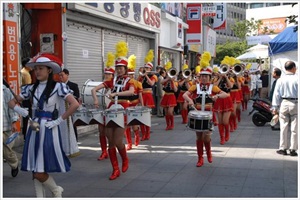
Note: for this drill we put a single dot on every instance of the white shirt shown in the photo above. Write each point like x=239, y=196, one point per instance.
x=286, y=87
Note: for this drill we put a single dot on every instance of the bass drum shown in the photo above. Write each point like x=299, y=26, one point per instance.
x=86, y=94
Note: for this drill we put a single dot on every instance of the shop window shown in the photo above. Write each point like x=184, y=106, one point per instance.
x=272, y=4
x=256, y=5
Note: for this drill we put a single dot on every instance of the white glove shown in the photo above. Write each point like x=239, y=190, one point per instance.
x=53, y=123
x=21, y=111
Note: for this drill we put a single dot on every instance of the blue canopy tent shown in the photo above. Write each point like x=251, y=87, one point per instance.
x=284, y=47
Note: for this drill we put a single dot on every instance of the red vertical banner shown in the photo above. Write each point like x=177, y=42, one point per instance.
x=194, y=20
x=10, y=46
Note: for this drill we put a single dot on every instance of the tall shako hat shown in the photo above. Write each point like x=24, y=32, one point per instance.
x=131, y=64
x=184, y=67
x=149, y=58
x=48, y=60
x=168, y=65
x=205, y=67
x=121, y=53
x=230, y=61
x=110, y=64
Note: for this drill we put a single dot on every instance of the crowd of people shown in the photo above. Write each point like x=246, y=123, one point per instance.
x=210, y=92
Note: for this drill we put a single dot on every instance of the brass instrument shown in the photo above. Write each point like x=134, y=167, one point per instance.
x=224, y=69
x=187, y=73
x=172, y=73
x=238, y=69
x=144, y=72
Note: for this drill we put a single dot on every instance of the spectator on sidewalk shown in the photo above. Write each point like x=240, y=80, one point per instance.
x=276, y=75
x=10, y=118
x=285, y=103
x=159, y=91
x=265, y=84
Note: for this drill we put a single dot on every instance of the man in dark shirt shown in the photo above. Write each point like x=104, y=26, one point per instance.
x=265, y=84
x=276, y=75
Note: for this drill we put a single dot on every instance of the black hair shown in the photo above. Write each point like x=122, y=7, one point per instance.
x=277, y=72
x=49, y=87
x=66, y=71
x=25, y=61
x=289, y=65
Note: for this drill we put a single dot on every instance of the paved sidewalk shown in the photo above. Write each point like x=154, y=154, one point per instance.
x=165, y=166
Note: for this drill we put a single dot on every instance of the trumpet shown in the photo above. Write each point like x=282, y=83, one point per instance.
x=224, y=69
x=187, y=73
x=238, y=69
x=144, y=72
x=172, y=73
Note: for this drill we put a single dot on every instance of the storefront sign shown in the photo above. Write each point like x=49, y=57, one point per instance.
x=10, y=48
x=209, y=11
x=209, y=40
x=141, y=15
x=194, y=20
x=175, y=9
x=220, y=18
x=275, y=24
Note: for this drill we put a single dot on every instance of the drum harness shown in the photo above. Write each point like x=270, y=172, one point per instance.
x=117, y=88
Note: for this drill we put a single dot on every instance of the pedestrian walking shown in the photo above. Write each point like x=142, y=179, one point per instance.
x=43, y=152
x=9, y=117
x=285, y=103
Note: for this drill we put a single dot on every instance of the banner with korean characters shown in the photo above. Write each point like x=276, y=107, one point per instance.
x=10, y=45
x=220, y=17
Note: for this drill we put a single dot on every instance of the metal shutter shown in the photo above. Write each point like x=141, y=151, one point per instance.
x=111, y=38
x=139, y=47
x=84, y=58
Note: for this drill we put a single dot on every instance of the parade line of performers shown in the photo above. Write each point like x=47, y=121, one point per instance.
x=218, y=91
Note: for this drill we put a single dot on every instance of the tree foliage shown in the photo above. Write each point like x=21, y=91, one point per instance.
x=233, y=49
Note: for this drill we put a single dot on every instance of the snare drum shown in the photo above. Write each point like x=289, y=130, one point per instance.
x=96, y=116
x=87, y=98
x=138, y=115
x=114, y=117
x=200, y=120
x=81, y=117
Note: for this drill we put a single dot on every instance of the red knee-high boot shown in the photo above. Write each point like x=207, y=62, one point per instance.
x=208, y=151
x=136, y=137
x=125, y=159
x=185, y=116
x=147, y=132
x=171, y=119
x=234, y=122
x=167, y=117
x=143, y=130
x=114, y=162
x=221, y=132
x=200, y=152
x=103, y=146
x=238, y=115
x=214, y=119
x=227, y=133
x=128, y=138
x=231, y=123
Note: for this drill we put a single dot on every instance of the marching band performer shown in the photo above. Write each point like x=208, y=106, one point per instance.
x=168, y=101
x=223, y=106
x=204, y=72
x=122, y=88
x=184, y=84
x=136, y=99
x=246, y=88
x=43, y=152
x=108, y=76
x=148, y=80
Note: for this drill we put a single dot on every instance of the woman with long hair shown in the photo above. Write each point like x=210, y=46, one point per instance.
x=43, y=152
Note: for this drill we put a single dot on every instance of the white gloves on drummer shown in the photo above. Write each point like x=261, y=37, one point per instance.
x=53, y=123
x=21, y=111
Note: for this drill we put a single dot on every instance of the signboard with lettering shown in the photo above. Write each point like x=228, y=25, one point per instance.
x=220, y=17
x=209, y=11
x=276, y=25
x=209, y=38
x=141, y=15
x=194, y=20
x=10, y=47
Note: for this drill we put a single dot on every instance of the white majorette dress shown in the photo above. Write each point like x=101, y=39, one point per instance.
x=43, y=150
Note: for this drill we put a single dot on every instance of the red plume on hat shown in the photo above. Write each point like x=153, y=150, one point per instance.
x=48, y=60
x=121, y=53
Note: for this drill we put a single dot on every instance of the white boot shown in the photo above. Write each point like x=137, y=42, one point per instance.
x=39, y=189
x=55, y=189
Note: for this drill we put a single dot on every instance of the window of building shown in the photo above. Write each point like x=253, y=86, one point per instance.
x=256, y=5
x=272, y=4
